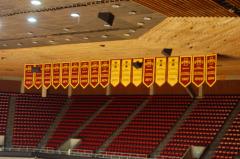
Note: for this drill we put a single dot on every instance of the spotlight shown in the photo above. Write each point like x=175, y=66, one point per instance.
x=32, y=20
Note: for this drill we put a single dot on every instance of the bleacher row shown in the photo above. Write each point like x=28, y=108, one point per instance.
x=34, y=116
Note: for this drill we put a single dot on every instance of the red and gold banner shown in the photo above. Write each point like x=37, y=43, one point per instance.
x=56, y=75
x=137, y=74
x=65, y=72
x=148, y=71
x=160, y=69
x=84, y=74
x=211, y=66
x=104, y=73
x=115, y=72
x=173, y=63
x=38, y=77
x=28, y=76
x=185, y=70
x=94, y=75
x=47, y=75
x=198, y=76
x=74, y=77
x=126, y=72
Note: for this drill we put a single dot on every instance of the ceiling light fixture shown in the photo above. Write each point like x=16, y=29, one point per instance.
x=32, y=20
x=51, y=41
x=115, y=6
x=126, y=34
x=132, y=13
x=35, y=42
x=132, y=30
x=147, y=18
x=140, y=23
x=36, y=2
x=107, y=25
x=104, y=36
x=67, y=39
x=5, y=45
x=66, y=29
x=75, y=15
x=85, y=38
x=19, y=44
x=30, y=33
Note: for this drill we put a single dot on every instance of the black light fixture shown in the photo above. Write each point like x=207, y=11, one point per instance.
x=167, y=52
x=107, y=17
x=137, y=64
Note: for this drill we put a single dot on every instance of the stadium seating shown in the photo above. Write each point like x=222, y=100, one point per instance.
x=202, y=125
x=33, y=117
x=230, y=144
x=4, y=99
x=81, y=108
x=149, y=127
x=108, y=121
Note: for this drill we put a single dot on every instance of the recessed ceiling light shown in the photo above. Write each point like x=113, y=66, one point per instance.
x=66, y=29
x=104, y=36
x=132, y=30
x=140, y=23
x=85, y=38
x=67, y=39
x=19, y=44
x=126, y=34
x=32, y=20
x=115, y=6
x=5, y=45
x=147, y=18
x=30, y=33
x=36, y=2
x=75, y=15
x=132, y=12
x=35, y=42
x=51, y=41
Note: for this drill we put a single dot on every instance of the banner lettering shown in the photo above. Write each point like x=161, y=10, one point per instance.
x=173, y=63
x=211, y=73
x=56, y=75
x=137, y=69
x=185, y=70
x=198, y=76
x=126, y=72
x=38, y=77
x=160, y=69
x=115, y=72
x=47, y=75
x=104, y=73
x=148, y=71
x=28, y=76
x=94, y=79
x=65, y=68
x=84, y=74
x=74, y=74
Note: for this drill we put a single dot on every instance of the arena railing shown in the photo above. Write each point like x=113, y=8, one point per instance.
x=86, y=153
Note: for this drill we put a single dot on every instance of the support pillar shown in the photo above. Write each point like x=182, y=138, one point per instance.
x=70, y=90
x=200, y=92
x=44, y=92
x=108, y=90
x=22, y=88
x=151, y=90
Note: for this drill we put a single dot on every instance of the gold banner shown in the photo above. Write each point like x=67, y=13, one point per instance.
x=38, y=77
x=160, y=69
x=173, y=64
x=65, y=78
x=137, y=75
x=28, y=76
x=115, y=72
x=126, y=72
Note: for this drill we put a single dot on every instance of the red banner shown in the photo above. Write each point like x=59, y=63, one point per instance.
x=94, y=79
x=47, y=75
x=84, y=74
x=185, y=70
x=28, y=76
x=104, y=73
x=65, y=70
x=38, y=77
x=198, y=76
x=148, y=71
x=74, y=74
x=56, y=75
x=211, y=74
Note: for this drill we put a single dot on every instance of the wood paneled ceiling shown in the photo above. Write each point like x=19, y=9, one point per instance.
x=55, y=25
x=187, y=36
x=190, y=8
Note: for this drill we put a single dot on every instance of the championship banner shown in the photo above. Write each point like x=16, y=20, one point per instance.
x=173, y=63
x=47, y=75
x=38, y=77
x=115, y=72
x=65, y=72
x=185, y=70
x=148, y=71
x=126, y=72
x=211, y=73
x=198, y=76
x=137, y=72
x=74, y=77
x=160, y=70
x=94, y=74
x=28, y=76
x=84, y=74
x=56, y=75
x=104, y=73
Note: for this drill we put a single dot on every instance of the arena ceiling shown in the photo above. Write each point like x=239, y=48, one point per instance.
x=189, y=27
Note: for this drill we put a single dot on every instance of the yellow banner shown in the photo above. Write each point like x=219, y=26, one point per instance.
x=115, y=72
x=137, y=71
x=173, y=64
x=160, y=69
x=126, y=72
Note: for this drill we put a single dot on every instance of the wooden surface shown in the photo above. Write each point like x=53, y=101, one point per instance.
x=187, y=36
x=188, y=8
